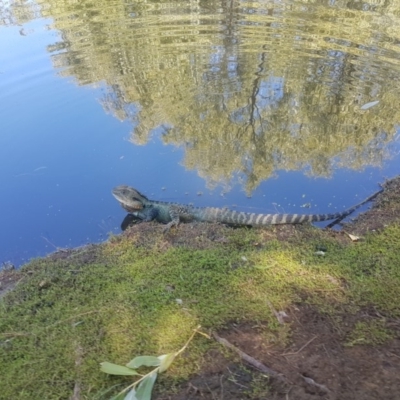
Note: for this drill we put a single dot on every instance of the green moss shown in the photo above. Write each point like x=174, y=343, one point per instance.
x=139, y=297
x=369, y=269
x=260, y=387
x=372, y=332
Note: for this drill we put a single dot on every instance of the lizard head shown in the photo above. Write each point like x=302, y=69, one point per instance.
x=129, y=198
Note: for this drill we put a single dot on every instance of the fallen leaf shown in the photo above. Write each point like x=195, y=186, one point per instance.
x=353, y=237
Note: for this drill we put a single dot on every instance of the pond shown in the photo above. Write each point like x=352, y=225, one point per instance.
x=268, y=106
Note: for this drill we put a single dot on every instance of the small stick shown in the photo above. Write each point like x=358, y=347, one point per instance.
x=301, y=348
x=318, y=385
x=392, y=354
x=48, y=241
x=268, y=371
x=278, y=316
x=57, y=248
x=252, y=361
x=221, y=383
x=68, y=319
x=76, y=395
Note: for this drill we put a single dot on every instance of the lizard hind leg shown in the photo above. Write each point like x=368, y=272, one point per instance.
x=175, y=219
x=174, y=222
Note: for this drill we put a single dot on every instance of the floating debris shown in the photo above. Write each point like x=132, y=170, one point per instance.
x=369, y=105
x=33, y=173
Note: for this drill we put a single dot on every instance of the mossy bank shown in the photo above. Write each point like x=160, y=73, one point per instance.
x=144, y=292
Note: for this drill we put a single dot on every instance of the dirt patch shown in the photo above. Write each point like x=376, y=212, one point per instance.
x=318, y=351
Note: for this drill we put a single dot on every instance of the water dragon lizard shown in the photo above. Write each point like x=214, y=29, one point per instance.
x=143, y=209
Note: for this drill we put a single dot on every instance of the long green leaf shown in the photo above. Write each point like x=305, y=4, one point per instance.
x=131, y=395
x=115, y=369
x=146, y=386
x=166, y=361
x=146, y=361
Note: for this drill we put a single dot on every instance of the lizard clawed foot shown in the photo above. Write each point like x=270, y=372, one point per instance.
x=166, y=229
x=170, y=225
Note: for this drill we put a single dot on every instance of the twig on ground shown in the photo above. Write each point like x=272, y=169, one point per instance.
x=287, y=394
x=301, y=348
x=237, y=383
x=211, y=392
x=252, y=361
x=318, y=385
x=326, y=351
x=392, y=354
x=12, y=335
x=76, y=395
x=268, y=371
x=71, y=318
x=195, y=389
x=221, y=383
x=279, y=315
x=52, y=244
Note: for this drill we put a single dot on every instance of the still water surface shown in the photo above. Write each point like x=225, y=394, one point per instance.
x=228, y=99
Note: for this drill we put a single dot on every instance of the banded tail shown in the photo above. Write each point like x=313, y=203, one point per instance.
x=231, y=217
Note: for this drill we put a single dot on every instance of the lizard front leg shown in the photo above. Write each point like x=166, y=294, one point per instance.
x=146, y=214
